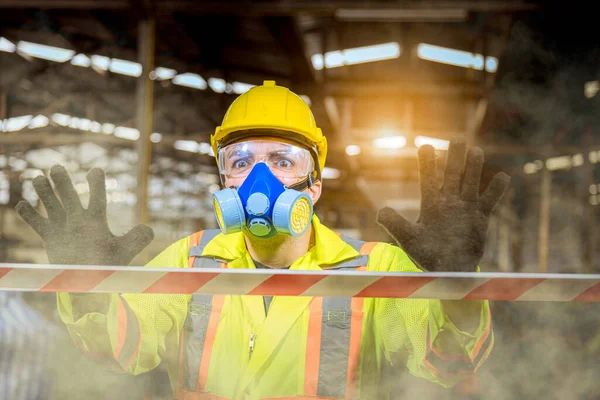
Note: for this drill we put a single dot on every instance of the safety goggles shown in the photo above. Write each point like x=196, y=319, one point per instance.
x=285, y=160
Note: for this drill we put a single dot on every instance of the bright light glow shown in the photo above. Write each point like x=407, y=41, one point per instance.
x=589, y=88
x=491, y=64
x=217, y=84
x=530, y=168
x=50, y=53
x=205, y=148
x=390, y=142
x=163, y=74
x=17, y=163
x=84, y=124
x=330, y=173
x=61, y=119
x=594, y=200
x=186, y=145
x=241, y=87
x=39, y=121
x=436, y=143
x=125, y=67
x=593, y=189
x=74, y=123
x=306, y=99
x=108, y=129
x=16, y=124
x=317, y=61
x=593, y=157
x=31, y=173
x=577, y=160
x=100, y=63
x=155, y=137
x=81, y=188
x=456, y=57
x=334, y=59
x=124, y=132
x=112, y=184
x=352, y=150
x=190, y=80
x=96, y=127
x=7, y=46
x=81, y=60
x=357, y=55
x=562, y=162
x=366, y=54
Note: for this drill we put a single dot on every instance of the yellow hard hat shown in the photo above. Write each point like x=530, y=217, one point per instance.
x=271, y=110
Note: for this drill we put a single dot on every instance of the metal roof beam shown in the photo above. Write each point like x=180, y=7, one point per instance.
x=277, y=8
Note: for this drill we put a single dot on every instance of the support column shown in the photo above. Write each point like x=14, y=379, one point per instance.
x=3, y=105
x=144, y=114
x=544, y=225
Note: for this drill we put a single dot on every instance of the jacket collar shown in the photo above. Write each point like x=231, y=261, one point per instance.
x=329, y=249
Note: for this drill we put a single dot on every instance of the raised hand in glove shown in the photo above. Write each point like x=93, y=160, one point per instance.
x=74, y=235
x=450, y=232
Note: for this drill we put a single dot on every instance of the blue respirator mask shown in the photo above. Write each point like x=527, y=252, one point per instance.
x=262, y=204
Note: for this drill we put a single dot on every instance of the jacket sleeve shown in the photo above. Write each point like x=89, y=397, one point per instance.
x=129, y=332
x=417, y=333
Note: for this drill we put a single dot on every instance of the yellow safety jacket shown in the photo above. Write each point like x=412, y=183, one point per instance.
x=305, y=347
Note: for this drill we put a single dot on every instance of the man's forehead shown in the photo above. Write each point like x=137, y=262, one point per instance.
x=261, y=145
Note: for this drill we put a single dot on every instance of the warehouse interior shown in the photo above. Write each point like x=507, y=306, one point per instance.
x=519, y=79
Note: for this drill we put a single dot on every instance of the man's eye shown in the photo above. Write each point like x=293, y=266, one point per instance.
x=240, y=164
x=284, y=163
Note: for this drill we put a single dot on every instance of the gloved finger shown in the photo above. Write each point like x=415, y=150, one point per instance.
x=134, y=241
x=97, y=182
x=454, y=166
x=430, y=191
x=472, y=177
x=494, y=192
x=55, y=210
x=65, y=189
x=396, y=225
x=32, y=217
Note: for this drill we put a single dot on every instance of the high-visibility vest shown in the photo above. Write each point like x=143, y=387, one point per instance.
x=334, y=333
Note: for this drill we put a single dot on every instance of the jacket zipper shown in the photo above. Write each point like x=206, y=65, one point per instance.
x=251, y=344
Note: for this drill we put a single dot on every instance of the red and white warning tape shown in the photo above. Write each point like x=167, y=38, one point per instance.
x=444, y=286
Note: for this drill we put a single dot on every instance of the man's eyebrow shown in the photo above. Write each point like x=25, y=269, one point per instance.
x=237, y=152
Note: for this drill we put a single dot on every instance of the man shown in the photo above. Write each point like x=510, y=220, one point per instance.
x=270, y=155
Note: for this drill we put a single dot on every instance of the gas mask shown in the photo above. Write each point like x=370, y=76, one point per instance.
x=262, y=204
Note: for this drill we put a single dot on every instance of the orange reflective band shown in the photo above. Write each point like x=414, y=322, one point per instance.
x=354, y=353
x=211, y=333
x=122, y=328
x=484, y=336
x=367, y=248
x=313, y=347
x=194, y=241
x=129, y=336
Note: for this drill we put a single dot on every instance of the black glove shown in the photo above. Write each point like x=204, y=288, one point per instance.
x=74, y=235
x=452, y=226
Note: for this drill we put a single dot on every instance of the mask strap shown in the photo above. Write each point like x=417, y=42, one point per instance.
x=303, y=184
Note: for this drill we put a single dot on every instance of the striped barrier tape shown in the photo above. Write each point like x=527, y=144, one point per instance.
x=262, y=282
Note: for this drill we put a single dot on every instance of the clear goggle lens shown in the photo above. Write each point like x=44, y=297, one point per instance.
x=285, y=160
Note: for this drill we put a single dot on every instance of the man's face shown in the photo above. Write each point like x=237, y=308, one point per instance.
x=288, y=161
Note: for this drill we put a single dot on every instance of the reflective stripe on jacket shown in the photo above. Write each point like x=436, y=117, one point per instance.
x=333, y=337
x=227, y=347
